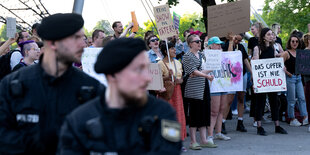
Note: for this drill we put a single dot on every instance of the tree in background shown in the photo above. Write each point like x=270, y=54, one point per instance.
x=290, y=14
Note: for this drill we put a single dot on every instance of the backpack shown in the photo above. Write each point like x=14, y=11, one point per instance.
x=5, y=67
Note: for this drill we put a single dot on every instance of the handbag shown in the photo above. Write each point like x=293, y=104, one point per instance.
x=169, y=86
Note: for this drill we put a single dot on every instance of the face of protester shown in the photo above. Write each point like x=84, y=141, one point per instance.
x=119, y=28
x=25, y=37
x=254, y=30
x=294, y=43
x=154, y=42
x=70, y=49
x=98, y=41
x=274, y=37
x=34, y=52
x=216, y=46
x=195, y=44
x=132, y=81
x=172, y=52
x=237, y=39
x=268, y=36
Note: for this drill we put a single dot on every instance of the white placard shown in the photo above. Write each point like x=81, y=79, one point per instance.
x=157, y=78
x=89, y=59
x=268, y=75
x=10, y=27
x=213, y=60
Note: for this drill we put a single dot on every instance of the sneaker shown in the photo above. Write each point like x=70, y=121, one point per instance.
x=184, y=149
x=234, y=112
x=280, y=130
x=209, y=144
x=194, y=146
x=240, y=126
x=295, y=122
x=305, y=122
x=221, y=136
x=255, y=124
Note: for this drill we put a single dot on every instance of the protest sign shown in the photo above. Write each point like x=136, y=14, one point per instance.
x=176, y=20
x=302, y=65
x=10, y=27
x=213, y=60
x=157, y=78
x=230, y=17
x=135, y=22
x=268, y=75
x=230, y=76
x=89, y=59
x=164, y=22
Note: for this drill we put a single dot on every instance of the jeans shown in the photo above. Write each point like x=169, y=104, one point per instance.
x=295, y=89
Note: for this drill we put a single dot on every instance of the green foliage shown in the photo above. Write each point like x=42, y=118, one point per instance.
x=103, y=25
x=290, y=14
x=3, y=33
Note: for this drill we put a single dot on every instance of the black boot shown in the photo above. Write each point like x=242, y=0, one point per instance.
x=280, y=130
x=261, y=131
x=240, y=126
x=223, y=129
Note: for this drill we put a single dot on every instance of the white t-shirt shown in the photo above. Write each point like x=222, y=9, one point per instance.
x=16, y=57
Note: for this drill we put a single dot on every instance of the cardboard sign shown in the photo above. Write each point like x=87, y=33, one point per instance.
x=230, y=17
x=213, y=60
x=164, y=22
x=176, y=20
x=157, y=78
x=268, y=75
x=135, y=22
x=302, y=65
x=230, y=76
x=10, y=27
x=89, y=59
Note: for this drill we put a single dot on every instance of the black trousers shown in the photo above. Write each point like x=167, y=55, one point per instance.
x=261, y=102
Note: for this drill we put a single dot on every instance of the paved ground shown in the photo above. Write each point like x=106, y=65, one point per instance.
x=296, y=142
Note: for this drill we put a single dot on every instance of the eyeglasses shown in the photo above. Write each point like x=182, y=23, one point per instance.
x=294, y=41
x=35, y=49
x=196, y=41
x=153, y=40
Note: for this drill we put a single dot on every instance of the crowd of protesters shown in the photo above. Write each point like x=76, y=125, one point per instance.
x=181, y=64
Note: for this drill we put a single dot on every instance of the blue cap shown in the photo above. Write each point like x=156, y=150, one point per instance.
x=215, y=40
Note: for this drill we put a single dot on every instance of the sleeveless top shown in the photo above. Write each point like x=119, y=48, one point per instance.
x=290, y=63
x=268, y=53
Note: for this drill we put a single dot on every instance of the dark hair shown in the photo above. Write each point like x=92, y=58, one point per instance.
x=147, y=34
x=163, y=48
x=148, y=40
x=306, y=39
x=261, y=41
x=96, y=34
x=288, y=44
x=202, y=38
x=20, y=36
x=184, y=33
x=115, y=24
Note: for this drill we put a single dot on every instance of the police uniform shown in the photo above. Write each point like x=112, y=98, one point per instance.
x=95, y=128
x=34, y=104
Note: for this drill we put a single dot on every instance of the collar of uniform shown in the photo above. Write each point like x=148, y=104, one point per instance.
x=51, y=79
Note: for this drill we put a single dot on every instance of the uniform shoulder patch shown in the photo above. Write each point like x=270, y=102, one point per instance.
x=171, y=130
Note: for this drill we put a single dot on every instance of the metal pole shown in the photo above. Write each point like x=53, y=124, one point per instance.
x=78, y=6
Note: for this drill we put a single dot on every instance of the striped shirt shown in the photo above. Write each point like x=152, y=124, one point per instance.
x=195, y=86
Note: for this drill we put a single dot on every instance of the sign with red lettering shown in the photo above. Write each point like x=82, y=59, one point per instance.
x=164, y=22
x=268, y=75
x=157, y=78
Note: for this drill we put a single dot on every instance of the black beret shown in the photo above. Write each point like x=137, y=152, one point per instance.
x=117, y=54
x=59, y=26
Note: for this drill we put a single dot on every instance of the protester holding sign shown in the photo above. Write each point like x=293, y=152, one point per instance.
x=176, y=100
x=154, y=53
x=265, y=50
x=232, y=45
x=218, y=101
x=197, y=93
x=294, y=84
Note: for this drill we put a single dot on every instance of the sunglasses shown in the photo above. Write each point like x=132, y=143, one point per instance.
x=294, y=41
x=196, y=41
x=153, y=40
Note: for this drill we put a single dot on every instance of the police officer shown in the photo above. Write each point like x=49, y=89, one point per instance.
x=35, y=100
x=123, y=119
